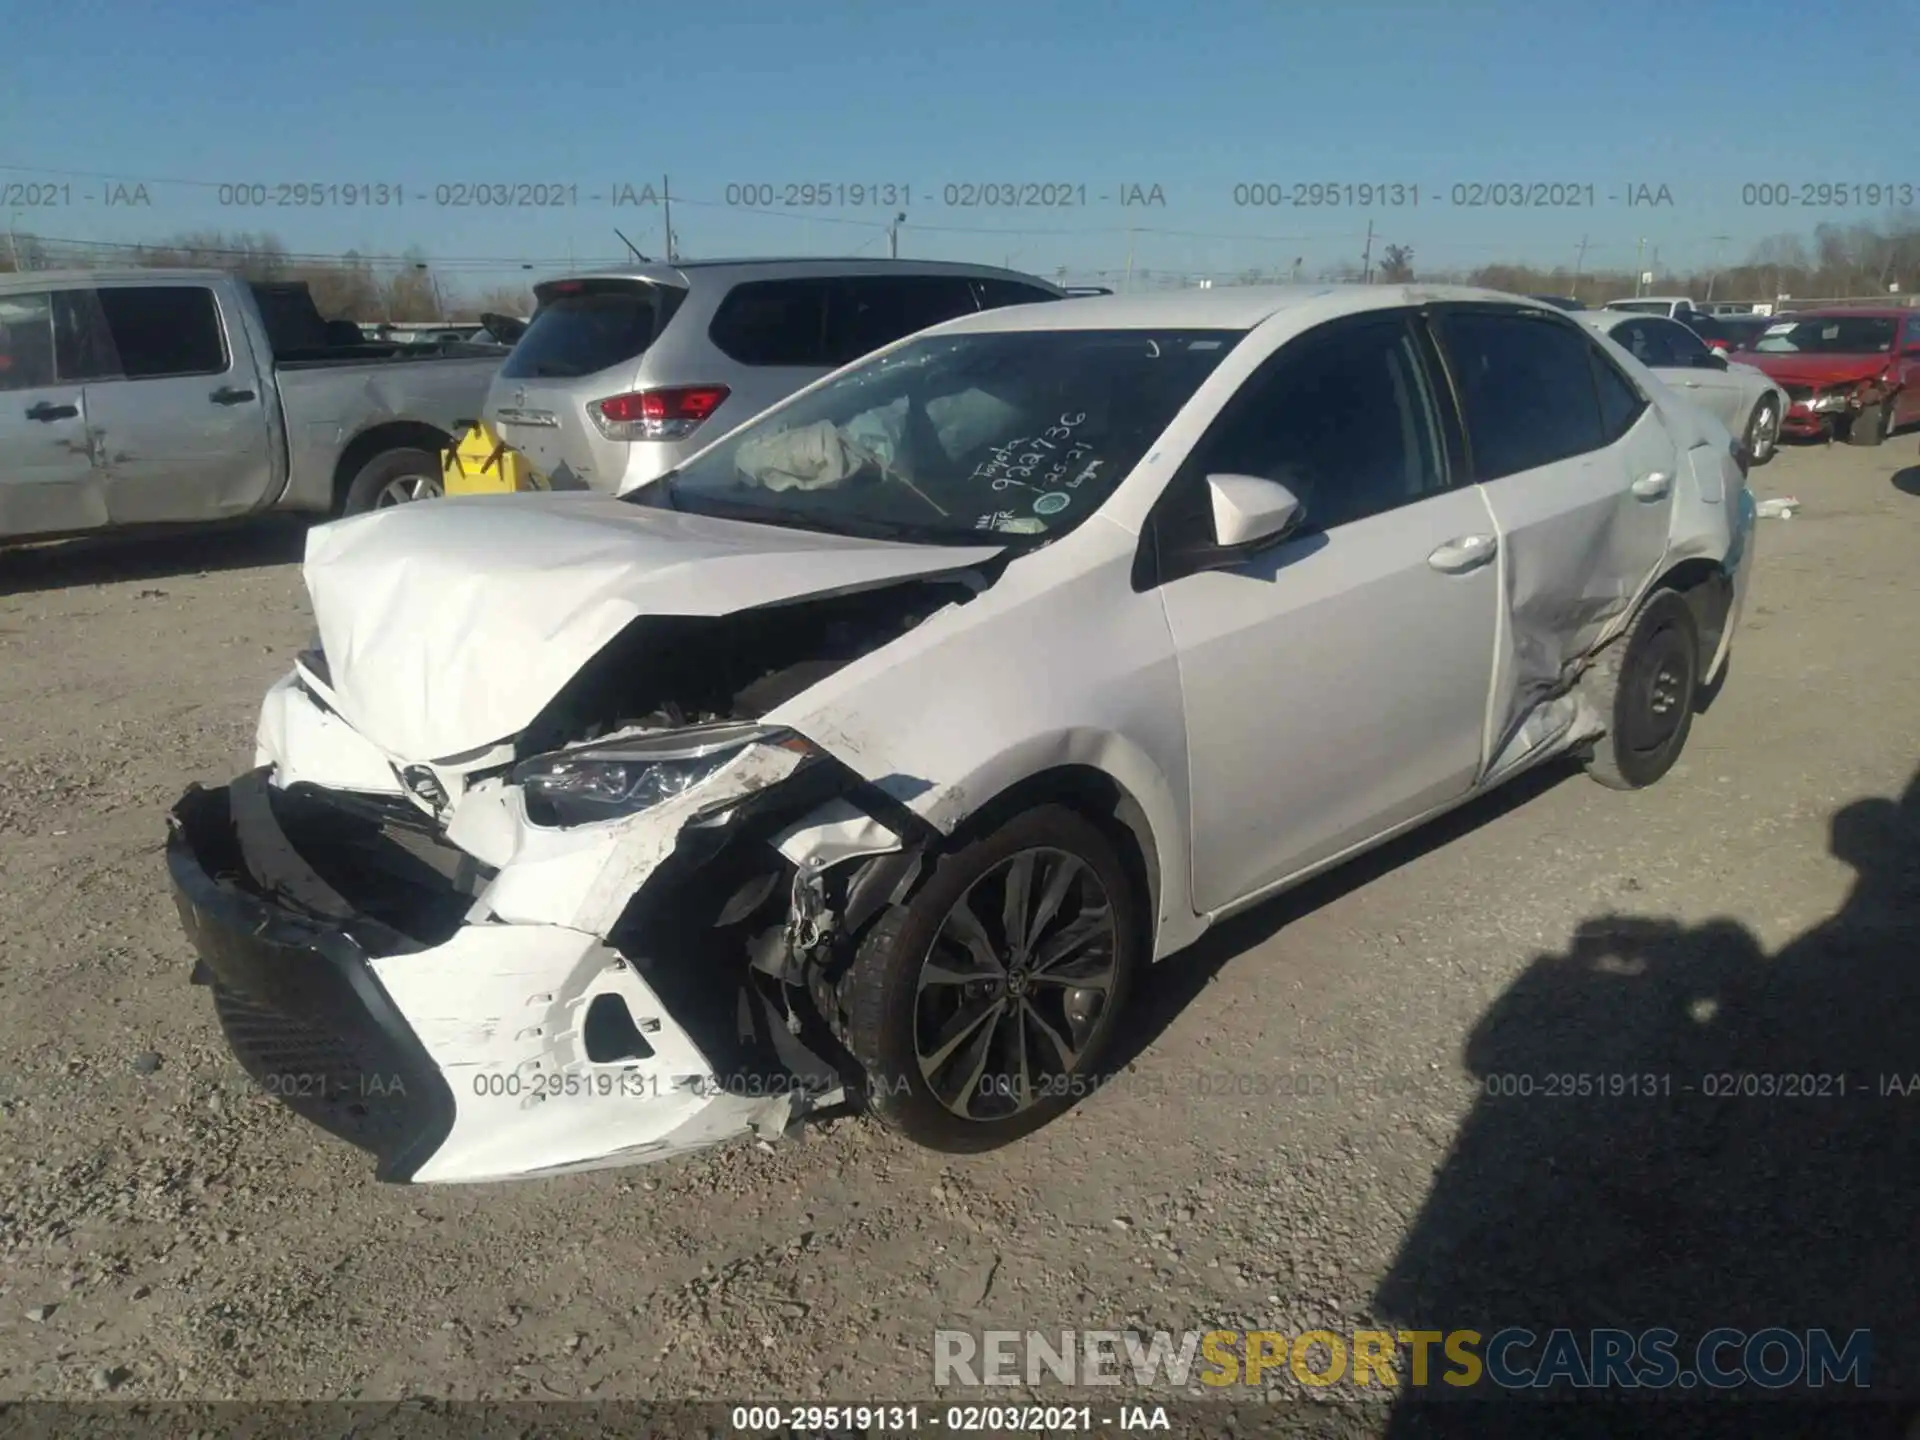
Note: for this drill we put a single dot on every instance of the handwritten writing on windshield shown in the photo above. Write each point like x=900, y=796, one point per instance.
x=1016, y=462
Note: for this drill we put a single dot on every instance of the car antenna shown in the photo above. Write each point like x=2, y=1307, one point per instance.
x=630, y=245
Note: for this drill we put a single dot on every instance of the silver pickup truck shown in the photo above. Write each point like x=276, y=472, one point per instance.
x=139, y=397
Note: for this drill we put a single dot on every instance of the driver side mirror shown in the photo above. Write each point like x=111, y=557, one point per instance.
x=1250, y=513
x=1712, y=360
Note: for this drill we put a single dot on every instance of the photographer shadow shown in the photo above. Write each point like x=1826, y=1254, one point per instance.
x=1701, y=1201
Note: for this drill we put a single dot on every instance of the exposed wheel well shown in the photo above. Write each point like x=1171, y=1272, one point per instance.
x=1705, y=588
x=1103, y=800
x=397, y=435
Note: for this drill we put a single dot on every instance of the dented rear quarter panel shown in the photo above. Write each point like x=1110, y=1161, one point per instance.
x=328, y=407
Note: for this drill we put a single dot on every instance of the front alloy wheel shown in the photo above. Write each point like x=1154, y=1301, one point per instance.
x=1763, y=433
x=981, y=1008
x=1015, y=984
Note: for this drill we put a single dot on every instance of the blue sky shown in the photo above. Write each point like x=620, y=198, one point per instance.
x=1193, y=98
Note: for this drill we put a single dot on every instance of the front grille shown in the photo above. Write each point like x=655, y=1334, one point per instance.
x=382, y=857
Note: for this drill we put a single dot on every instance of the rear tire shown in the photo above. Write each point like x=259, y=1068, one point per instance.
x=949, y=1081
x=1646, y=683
x=393, y=477
x=1763, y=433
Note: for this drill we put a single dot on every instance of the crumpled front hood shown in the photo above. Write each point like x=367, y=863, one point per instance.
x=449, y=625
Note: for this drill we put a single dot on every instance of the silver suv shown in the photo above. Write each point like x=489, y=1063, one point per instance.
x=622, y=375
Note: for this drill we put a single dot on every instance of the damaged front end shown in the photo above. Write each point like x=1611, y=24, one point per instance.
x=615, y=938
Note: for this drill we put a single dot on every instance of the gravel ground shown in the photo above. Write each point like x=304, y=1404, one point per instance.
x=166, y=1232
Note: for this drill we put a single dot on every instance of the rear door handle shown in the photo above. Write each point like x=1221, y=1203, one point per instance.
x=1463, y=553
x=227, y=395
x=46, y=410
x=1652, y=487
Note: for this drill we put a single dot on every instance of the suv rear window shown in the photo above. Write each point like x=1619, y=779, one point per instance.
x=827, y=322
x=585, y=326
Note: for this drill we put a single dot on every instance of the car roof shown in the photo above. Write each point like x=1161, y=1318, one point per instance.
x=1836, y=312
x=683, y=272
x=39, y=279
x=1607, y=320
x=1652, y=300
x=1230, y=307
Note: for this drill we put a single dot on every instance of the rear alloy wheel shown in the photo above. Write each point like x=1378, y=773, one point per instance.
x=981, y=1008
x=1646, y=684
x=1872, y=425
x=395, y=477
x=1763, y=432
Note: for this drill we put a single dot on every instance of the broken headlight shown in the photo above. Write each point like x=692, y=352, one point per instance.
x=625, y=777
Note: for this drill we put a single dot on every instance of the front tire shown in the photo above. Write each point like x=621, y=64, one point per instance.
x=1646, y=684
x=981, y=1009
x=1763, y=432
x=393, y=477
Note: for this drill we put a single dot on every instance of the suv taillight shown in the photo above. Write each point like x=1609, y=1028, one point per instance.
x=671, y=414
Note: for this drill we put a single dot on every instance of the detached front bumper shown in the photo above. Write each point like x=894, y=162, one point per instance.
x=451, y=1049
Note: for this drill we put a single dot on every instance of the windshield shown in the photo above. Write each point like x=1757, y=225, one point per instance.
x=1828, y=335
x=1021, y=432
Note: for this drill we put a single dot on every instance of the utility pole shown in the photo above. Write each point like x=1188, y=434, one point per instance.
x=1126, y=285
x=1719, y=242
x=1579, y=264
x=1298, y=260
x=1639, y=267
x=1366, y=258
x=666, y=202
x=13, y=240
x=893, y=235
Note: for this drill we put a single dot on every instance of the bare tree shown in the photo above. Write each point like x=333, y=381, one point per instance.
x=1396, y=265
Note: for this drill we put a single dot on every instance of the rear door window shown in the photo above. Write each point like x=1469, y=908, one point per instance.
x=164, y=330
x=26, y=341
x=871, y=311
x=1526, y=387
x=1621, y=402
x=583, y=327
x=774, y=322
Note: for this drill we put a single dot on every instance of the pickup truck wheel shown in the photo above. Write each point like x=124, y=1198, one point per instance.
x=981, y=1008
x=1646, y=684
x=1872, y=425
x=1763, y=432
x=393, y=477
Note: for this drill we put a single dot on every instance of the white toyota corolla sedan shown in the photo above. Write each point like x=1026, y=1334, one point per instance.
x=1744, y=399
x=870, y=755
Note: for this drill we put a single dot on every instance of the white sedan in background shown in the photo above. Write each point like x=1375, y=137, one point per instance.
x=1740, y=396
x=874, y=751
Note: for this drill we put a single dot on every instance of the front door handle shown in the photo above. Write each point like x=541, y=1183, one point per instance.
x=1691, y=384
x=46, y=411
x=1463, y=553
x=227, y=395
x=1652, y=487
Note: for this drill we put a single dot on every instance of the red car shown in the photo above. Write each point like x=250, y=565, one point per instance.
x=1850, y=374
